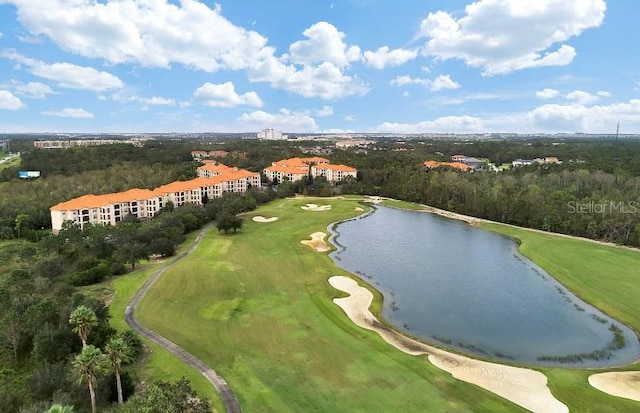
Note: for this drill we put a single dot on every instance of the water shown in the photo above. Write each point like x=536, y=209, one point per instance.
x=471, y=290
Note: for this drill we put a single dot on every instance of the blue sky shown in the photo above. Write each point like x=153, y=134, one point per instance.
x=319, y=66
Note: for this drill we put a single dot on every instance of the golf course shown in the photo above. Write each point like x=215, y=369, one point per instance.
x=257, y=306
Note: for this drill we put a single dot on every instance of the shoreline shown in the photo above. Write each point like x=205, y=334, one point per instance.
x=522, y=386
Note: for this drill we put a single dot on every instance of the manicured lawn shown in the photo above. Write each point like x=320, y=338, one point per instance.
x=13, y=162
x=158, y=364
x=256, y=306
x=606, y=277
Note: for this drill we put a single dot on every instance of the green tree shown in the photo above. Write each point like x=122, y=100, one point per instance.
x=88, y=365
x=118, y=352
x=163, y=397
x=84, y=320
x=58, y=408
x=21, y=221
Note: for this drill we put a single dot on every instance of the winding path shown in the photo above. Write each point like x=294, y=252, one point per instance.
x=226, y=394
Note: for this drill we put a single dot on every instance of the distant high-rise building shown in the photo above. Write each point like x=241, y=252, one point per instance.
x=271, y=134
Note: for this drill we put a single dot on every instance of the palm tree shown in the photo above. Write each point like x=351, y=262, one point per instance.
x=58, y=408
x=84, y=319
x=88, y=365
x=118, y=352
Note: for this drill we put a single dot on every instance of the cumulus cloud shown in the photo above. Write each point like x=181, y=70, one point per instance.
x=158, y=33
x=447, y=124
x=31, y=90
x=326, y=81
x=439, y=83
x=8, y=101
x=547, y=93
x=324, y=111
x=224, y=95
x=324, y=43
x=587, y=119
x=502, y=36
x=68, y=75
x=384, y=57
x=582, y=98
x=70, y=113
x=284, y=120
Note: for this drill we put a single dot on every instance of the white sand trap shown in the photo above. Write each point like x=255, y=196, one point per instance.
x=314, y=207
x=359, y=209
x=524, y=387
x=624, y=384
x=259, y=218
x=317, y=242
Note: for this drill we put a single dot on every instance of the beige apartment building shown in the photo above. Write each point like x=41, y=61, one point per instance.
x=110, y=209
x=296, y=169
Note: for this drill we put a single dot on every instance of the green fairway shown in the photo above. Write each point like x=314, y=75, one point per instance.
x=159, y=364
x=604, y=276
x=256, y=306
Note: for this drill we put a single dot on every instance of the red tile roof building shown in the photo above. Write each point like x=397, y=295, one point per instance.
x=295, y=169
x=108, y=209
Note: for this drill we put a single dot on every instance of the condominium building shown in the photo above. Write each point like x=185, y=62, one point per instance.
x=271, y=134
x=295, y=169
x=333, y=173
x=110, y=209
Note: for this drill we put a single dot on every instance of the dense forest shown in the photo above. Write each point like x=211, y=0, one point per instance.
x=594, y=193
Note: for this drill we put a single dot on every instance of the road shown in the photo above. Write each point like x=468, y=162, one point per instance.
x=226, y=394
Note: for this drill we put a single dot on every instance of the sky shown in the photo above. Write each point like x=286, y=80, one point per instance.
x=319, y=66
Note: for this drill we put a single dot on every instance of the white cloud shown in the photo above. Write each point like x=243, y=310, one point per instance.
x=547, y=93
x=603, y=93
x=32, y=90
x=324, y=111
x=581, y=97
x=587, y=119
x=70, y=113
x=152, y=33
x=325, y=81
x=66, y=74
x=439, y=83
x=284, y=120
x=501, y=36
x=447, y=124
x=8, y=101
x=324, y=44
x=126, y=96
x=384, y=57
x=444, y=82
x=350, y=118
x=224, y=96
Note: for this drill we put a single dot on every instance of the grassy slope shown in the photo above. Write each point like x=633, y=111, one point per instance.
x=257, y=307
x=159, y=363
x=606, y=277
x=13, y=162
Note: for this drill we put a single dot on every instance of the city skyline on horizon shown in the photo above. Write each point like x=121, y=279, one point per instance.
x=194, y=66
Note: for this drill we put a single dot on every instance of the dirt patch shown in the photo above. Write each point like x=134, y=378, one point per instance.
x=317, y=242
x=524, y=387
x=624, y=384
x=259, y=218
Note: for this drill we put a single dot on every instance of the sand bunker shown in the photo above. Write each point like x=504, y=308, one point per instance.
x=618, y=383
x=314, y=207
x=524, y=387
x=359, y=209
x=317, y=242
x=259, y=218
x=373, y=199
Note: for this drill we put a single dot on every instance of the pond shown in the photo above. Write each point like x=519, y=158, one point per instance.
x=470, y=290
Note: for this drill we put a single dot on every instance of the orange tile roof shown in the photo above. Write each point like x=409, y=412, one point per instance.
x=336, y=168
x=301, y=161
x=217, y=167
x=97, y=201
x=296, y=170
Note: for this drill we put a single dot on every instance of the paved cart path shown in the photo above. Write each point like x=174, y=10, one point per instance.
x=226, y=394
